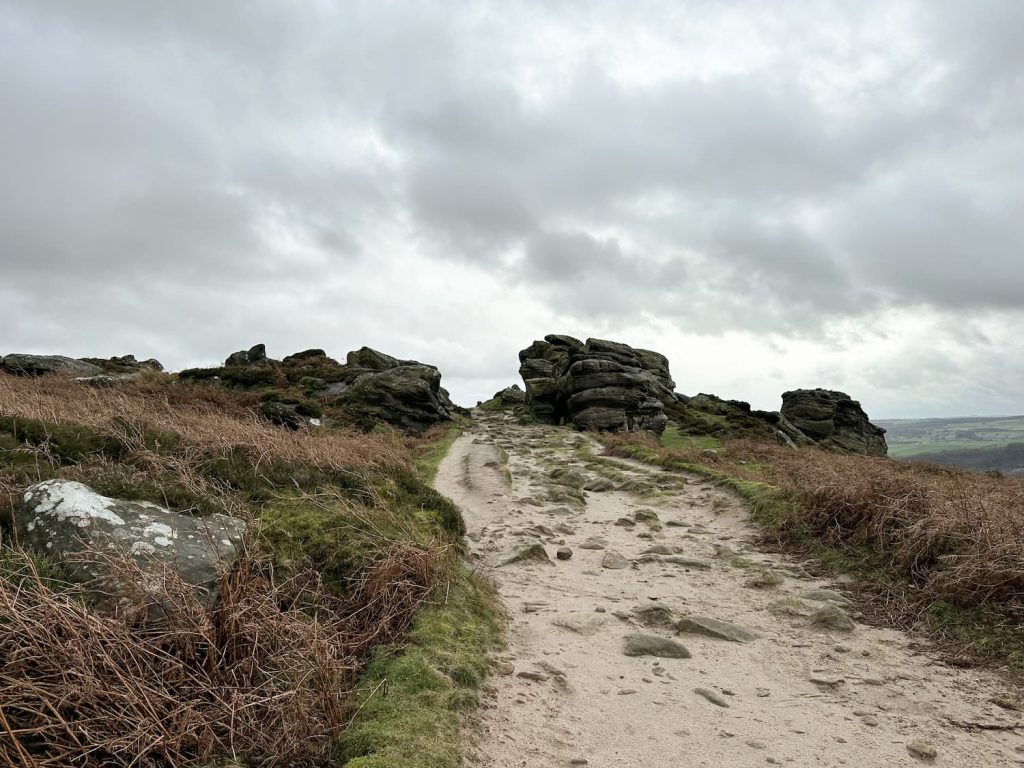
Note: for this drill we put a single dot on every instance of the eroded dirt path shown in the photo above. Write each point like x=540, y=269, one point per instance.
x=805, y=692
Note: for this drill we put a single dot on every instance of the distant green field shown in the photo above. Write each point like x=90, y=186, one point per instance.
x=912, y=437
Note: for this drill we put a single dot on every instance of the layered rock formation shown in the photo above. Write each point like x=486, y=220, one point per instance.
x=833, y=420
x=596, y=384
x=606, y=385
x=369, y=387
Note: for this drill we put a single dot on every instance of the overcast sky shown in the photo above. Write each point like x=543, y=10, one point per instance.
x=773, y=194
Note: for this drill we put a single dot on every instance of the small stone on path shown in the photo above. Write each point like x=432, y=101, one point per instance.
x=614, y=561
x=594, y=542
x=563, y=553
x=711, y=696
x=536, y=677
x=652, y=645
x=922, y=750
x=534, y=553
x=587, y=625
x=832, y=617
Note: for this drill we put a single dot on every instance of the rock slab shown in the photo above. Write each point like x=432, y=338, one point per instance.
x=85, y=530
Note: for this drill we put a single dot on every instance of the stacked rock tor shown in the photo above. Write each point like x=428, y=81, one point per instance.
x=833, y=420
x=596, y=384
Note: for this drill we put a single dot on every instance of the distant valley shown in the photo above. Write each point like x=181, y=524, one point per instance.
x=975, y=443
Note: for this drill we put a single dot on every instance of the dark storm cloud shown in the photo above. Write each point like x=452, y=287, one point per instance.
x=183, y=176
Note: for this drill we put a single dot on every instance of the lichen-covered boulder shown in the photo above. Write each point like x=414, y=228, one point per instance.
x=40, y=365
x=87, y=533
x=833, y=420
x=599, y=384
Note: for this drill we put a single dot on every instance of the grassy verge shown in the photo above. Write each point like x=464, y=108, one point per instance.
x=414, y=695
x=350, y=625
x=430, y=450
x=936, y=549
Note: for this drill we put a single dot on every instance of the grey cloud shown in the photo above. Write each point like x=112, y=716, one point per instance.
x=193, y=177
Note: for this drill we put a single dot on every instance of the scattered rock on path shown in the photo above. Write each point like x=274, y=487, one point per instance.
x=534, y=553
x=614, y=561
x=922, y=750
x=587, y=625
x=652, y=645
x=723, y=630
x=535, y=677
x=832, y=617
x=594, y=542
x=654, y=616
x=563, y=553
x=711, y=696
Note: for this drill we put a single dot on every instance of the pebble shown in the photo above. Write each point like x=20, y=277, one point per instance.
x=563, y=553
x=756, y=744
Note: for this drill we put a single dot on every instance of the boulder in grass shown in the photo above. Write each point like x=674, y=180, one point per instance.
x=833, y=420
x=41, y=365
x=88, y=533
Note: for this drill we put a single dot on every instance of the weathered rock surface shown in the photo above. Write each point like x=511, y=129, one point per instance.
x=370, y=386
x=40, y=365
x=510, y=397
x=124, y=364
x=599, y=384
x=833, y=420
x=408, y=395
x=531, y=553
x=652, y=645
x=88, y=533
x=722, y=630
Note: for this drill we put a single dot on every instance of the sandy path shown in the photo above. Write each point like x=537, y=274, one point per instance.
x=799, y=695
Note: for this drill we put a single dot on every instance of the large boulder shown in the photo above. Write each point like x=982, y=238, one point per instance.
x=40, y=365
x=89, y=534
x=833, y=420
x=409, y=396
x=370, y=387
x=252, y=356
x=597, y=384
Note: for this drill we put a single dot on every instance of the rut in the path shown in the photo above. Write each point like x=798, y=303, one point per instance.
x=740, y=658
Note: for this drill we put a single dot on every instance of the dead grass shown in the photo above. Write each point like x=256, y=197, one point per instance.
x=268, y=676
x=203, y=416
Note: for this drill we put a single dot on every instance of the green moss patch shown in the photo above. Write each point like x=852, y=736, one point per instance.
x=413, y=697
